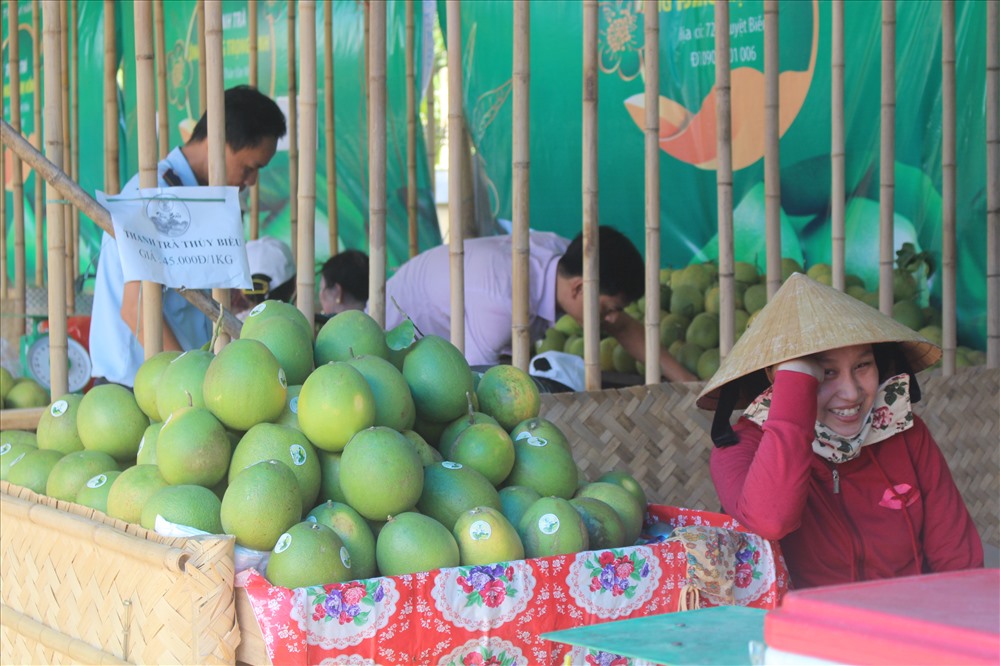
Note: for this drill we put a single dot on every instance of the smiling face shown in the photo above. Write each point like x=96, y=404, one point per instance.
x=242, y=165
x=847, y=392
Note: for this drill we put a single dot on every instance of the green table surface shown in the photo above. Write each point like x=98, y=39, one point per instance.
x=718, y=635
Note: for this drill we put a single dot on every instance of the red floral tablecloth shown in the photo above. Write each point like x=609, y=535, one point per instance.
x=495, y=614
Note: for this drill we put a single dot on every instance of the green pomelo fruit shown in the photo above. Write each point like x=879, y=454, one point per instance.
x=712, y=300
x=908, y=314
x=260, y=504
x=540, y=428
x=75, y=469
x=871, y=298
x=605, y=528
x=745, y=272
x=291, y=346
x=131, y=490
x=193, y=448
x=789, y=266
x=622, y=361
x=857, y=291
x=626, y=481
x=31, y=469
x=349, y=334
x=354, y=531
x=551, y=526
x=622, y=501
x=688, y=354
x=707, y=364
x=546, y=467
x=755, y=297
x=94, y=493
x=686, y=300
x=932, y=316
x=271, y=308
x=695, y=275
x=509, y=395
x=181, y=382
x=568, y=326
x=109, y=420
x=607, y=351
x=245, y=385
x=818, y=269
x=57, y=426
x=380, y=473
x=268, y=441
x=411, y=543
x=189, y=505
x=672, y=328
x=147, y=445
x=6, y=382
x=309, y=554
x=486, y=448
x=26, y=393
x=741, y=318
x=574, y=345
x=932, y=333
x=485, y=536
x=431, y=431
x=394, y=406
x=147, y=379
x=704, y=330
x=428, y=454
x=329, y=486
x=23, y=437
x=455, y=428
x=289, y=416
x=904, y=285
x=451, y=488
x=515, y=500
x=439, y=378
x=554, y=340
x=334, y=404
x=9, y=452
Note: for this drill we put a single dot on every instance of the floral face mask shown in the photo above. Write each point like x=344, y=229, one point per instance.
x=891, y=413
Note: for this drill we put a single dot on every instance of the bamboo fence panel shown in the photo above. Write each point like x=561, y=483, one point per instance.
x=305, y=274
x=521, y=187
x=993, y=184
x=16, y=173
x=772, y=151
x=591, y=212
x=36, y=69
x=254, y=68
x=216, y=125
x=949, y=324
x=456, y=175
x=651, y=13
x=411, y=136
x=838, y=190
x=887, y=156
x=724, y=174
x=377, y=161
x=293, y=134
x=333, y=222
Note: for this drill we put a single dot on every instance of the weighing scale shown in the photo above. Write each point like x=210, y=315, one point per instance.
x=35, y=352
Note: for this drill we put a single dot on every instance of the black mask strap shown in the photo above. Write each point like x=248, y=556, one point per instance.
x=722, y=431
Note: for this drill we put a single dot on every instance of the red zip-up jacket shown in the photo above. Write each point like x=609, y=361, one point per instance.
x=841, y=523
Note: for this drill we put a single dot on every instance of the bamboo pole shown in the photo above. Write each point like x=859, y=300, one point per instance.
x=838, y=190
x=993, y=184
x=67, y=163
x=772, y=155
x=411, y=135
x=36, y=68
x=591, y=238
x=216, y=124
x=887, y=148
x=333, y=222
x=254, y=68
x=521, y=184
x=949, y=324
x=306, y=257
x=293, y=133
x=56, y=241
x=16, y=174
x=202, y=74
x=651, y=13
x=74, y=63
x=456, y=180
x=377, y=162
x=61, y=184
x=159, y=49
x=145, y=87
x=112, y=180
x=724, y=175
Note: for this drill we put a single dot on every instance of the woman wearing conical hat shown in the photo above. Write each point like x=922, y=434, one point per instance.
x=828, y=456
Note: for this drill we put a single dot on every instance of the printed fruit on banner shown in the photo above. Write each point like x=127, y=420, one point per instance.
x=427, y=453
x=353, y=530
x=440, y=379
x=509, y=395
x=604, y=526
x=411, y=543
x=451, y=488
x=181, y=382
x=380, y=473
x=271, y=308
x=622, y=501
x=485, y=536
x=189, y=505
x=73, y=470
x=260, y=504
x=109, y=420
x=147, y=445
x=193, y=448
x=245, y=385
x=57, y=426
x=515, y=500
x=309, y=554
x=291, y=346
x=147, y=379
x=541, y=462
x=269, y=441
x=94, y=493
x=31, y=469
x=394, y=406
x=551, y=526
x=486, y=448
x=334, y=404
x=349, y=334
x=132, y=489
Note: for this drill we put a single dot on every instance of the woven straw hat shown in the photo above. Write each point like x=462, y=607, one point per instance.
x=806, y=317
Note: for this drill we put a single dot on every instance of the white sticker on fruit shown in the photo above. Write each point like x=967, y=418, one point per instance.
x=284, y=541
x=179, y=357
x=281, y=378
x=298, y=454
x=17, y=460
x=293, y=405
x=97, y=481
x=4, y=448
x=58, y=408
x=548, y=524
x=142, y=443
x=537, y=441
x=345, y=557
x=311, y=519
x=480, y=530
x=257, y=310
x=451, y=465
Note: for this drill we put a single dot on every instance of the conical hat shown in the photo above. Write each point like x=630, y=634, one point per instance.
x=806, y=317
